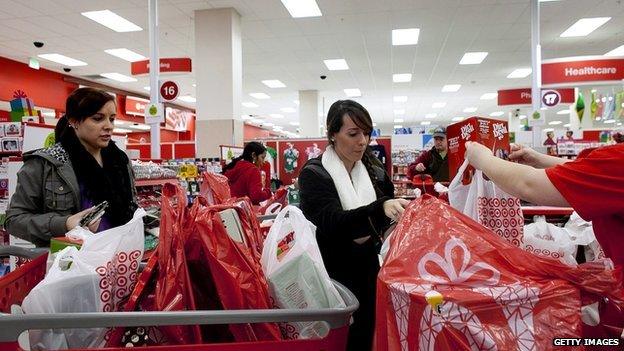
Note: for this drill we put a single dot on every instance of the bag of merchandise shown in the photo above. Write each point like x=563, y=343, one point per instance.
x=275, y=204
x=448, y=283
x=487, y=204
x=546, y=239
x=214, y=188
x=583, y=233
x=292, y=263
x=98, y=277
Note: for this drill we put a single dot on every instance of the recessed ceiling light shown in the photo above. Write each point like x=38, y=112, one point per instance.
x=398, y=126
x=249, y=104
x=522, y=117
x=402, y=77
x=260, y=96
x=187, y=98
x=398, y=120
x=470, y=109
x=457, y=119
x=118, y=77
x=125, y=54
x=425, y=123
x=438, y=104
x=546, y=130
x=584, y=26
x=431, y=115
x=497, y=114
x=519, y=73
x=288, y=109
x=293, y=123
x=336, y=64
x=619, y=51
x=296, y=102
x=399, y=112
x=274, y=83
x=353, y=92
x=401, y=98
x=564, y=112
x=407, y=36
x=554, y=123
x=451, y=88
x=489, y=96
x=302, y=8
x=147, y=88
x=112, y=20
x=609, y=121
x=62, y=59
x=276, y=116
x=473, y=58
x=567, y=125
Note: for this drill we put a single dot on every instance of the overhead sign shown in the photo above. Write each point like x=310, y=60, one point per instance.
x=550, y=98
x=582, y=70
x=167, y=65
x=154, y=114
x=135, y=106
x=169, y=91
x=523, y=96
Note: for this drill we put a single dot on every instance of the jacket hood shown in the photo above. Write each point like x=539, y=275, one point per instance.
x=241, y=168
x=55, y=154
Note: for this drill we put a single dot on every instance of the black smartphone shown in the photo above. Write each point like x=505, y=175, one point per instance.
x=95, y=214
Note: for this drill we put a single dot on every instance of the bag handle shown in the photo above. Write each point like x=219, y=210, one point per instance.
x=458, y=177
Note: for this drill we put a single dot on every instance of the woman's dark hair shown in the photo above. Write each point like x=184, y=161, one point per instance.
x=360, y=116
x=81, y=104
x=250, y=149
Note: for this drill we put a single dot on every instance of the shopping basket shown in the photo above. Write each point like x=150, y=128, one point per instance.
x=17, y=284
x=11, y=326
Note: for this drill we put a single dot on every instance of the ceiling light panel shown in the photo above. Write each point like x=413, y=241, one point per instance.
x=353, y=92
x=260, y=96
x=451, y=88
x=399, y=99
x=118, y=77
x=406, y=36
x=470, y=109
x=274, y=83
x=438, y=104
x=63, y=60
x=619, y=51
x=336, y=64
x=489, y=96
x=402, y=77
x=473, y=58
x=249, y=104
x=112, y=20
x=302, y=8
x=584, y=26
x=125, y=54
x=519, y=73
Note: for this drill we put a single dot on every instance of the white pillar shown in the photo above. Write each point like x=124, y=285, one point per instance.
x=536, y=67
x=309, y=120
x=218, y=66
x=154, y=74
x=514, y=121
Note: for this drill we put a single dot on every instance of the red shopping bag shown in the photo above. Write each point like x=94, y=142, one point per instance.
x=448, y=283
x=214, y=188
x=275, y=204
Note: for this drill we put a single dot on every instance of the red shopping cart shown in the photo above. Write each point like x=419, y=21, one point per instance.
x=15, y=286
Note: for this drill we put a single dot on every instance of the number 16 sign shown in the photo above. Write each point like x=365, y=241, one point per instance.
x=169, y=90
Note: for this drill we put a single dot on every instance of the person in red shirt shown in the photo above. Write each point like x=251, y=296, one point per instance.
x=244, y=175
x=593, y=186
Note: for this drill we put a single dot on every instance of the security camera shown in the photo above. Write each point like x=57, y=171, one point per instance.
x=67, y=69
x=323, y=77
x=38, y=44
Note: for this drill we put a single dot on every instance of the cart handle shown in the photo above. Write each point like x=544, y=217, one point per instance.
x=11, y=326
x=30, y=253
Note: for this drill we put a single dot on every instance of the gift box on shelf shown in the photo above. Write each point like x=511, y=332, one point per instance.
x=22, y=103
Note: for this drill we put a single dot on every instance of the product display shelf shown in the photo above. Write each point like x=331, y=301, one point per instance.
x=154, y=182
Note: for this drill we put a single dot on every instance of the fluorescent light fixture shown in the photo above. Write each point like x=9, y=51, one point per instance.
x=374, y=124
x=336, y=64
x=398, y=126
x=147, y=88
x=609, y=121
x=401, y=98
x=522, y=117
x=584, y=26
x=619, y=51
x=425, y=123
x=398, y=120
x=268, y=124
x=276, y=116
x=451, y=88
x=288, y=109
x=250, y=104
x=406, y=36
x=353, y=92
x=457, y=119
x=274, y=83
x=546, y=130
x=402, y=77
x=470, y=109
x=564, y=112
x=296, y=102
x=187, y=98
x=294, y=123
x=555, y=123
x=302, y=8
x=33, y=63
x=438, y=104
x=489, y=96
x=260, y=96
x=431, y=115
x=125, y=54
x=567, y=125
x=246, y=117
x=399, y=112
x=62, y=59
x=619, y=123
x=519, y=73
x=497, y=114
x=118, y=77
x=473, y=58
x=121, y=130
x=256, y=120
x=112, y=20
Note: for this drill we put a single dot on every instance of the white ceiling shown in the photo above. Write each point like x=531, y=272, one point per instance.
x=276, y=46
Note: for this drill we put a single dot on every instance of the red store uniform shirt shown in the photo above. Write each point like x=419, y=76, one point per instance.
x=594, y=187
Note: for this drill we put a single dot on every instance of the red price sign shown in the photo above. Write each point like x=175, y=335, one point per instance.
x=550, y=98
x=169, y=91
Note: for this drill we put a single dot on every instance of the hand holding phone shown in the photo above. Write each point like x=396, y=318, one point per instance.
x=96, y=213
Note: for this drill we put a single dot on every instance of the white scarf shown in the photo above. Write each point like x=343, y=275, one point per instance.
x=354, y=191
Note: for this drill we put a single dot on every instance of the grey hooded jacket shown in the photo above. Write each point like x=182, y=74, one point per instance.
x=47, y=194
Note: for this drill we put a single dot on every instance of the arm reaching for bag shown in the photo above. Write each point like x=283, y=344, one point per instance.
x=519, y=180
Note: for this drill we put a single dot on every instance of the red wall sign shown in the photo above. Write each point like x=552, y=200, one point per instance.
x=523, y=96
x=176, y=64
x=598, y=69
x=135, y=106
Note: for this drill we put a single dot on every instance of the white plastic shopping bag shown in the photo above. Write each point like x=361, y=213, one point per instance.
x=98, y=277
x=293, y=266
x=582, y=232
x=487, y=204
x=546, y=239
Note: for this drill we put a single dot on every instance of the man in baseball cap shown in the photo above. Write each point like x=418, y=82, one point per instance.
x=433, y=162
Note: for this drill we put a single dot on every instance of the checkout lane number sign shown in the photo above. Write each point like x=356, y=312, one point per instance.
x=550, y=98
x=169, y=91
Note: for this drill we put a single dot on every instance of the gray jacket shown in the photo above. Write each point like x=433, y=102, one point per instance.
x=47, y=194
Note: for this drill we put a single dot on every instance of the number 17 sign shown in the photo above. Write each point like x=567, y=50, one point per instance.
x=550, y=98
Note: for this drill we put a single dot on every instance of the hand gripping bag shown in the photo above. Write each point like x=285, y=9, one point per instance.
x=448, y=283
x=292, y=263
x=98, y=277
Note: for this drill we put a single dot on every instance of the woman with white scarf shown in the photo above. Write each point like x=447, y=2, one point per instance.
x=348, y=195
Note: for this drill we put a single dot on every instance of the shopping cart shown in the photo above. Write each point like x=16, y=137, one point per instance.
x=15, y=286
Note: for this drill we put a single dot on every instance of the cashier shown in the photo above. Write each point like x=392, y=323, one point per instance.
x=592, y=185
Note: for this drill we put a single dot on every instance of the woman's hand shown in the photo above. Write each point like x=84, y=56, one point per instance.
x=477, y=154
x=394, y=208
x=74, y=220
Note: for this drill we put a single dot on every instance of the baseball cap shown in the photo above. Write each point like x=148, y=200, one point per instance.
x=439, y=132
